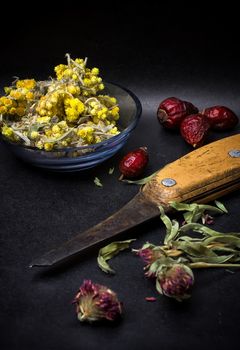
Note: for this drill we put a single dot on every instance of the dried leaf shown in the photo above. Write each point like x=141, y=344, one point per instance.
x=213, y=259
x=194, y=212
x=227, y=239
x=98, y=182
x=109, y=251
x=194, y=249
x=141, y=181
x=172, y=227
x=158, y=287
x=199, y=228
x=203, y=265
x=221, y=206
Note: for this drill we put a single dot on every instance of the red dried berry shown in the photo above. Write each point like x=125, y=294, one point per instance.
x=172, y=111
x=133, y=163
x=194, y=129
x=221, y=117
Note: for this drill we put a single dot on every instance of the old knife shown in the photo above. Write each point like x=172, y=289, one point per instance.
x=200, y=176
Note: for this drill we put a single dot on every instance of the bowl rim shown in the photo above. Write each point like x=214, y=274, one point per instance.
x=96, y=145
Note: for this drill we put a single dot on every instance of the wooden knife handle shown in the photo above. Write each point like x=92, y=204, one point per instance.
x=202, y=175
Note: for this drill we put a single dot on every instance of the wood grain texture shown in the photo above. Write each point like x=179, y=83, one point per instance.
x=209, y=170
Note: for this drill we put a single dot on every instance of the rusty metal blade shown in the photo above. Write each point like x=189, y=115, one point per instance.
x=135, y=212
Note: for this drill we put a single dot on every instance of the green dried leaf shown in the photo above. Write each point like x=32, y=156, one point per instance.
x=203, y=265
x=228, y=239
x=172, y=227
x=213, y=259
x=109, y=251
x=148, y=245
x=141, y=181
x=193, y=216
x=221, y=249
x=98, y=182
x=221, y=206
x=158, y=287
x=183, y=206
x=190, y=239
x=195, y=249
x=165, y=219
x=199, y=228
x=159, y=264
x=110, y=171
x=195, y=211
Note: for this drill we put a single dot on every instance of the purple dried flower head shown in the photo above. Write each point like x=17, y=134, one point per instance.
x=95, y=302
x=175, y=281
x=149, y=255
x=146, y=255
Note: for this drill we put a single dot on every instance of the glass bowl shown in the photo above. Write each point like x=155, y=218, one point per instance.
x=85, y=157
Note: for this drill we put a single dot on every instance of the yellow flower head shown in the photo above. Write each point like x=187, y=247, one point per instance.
x=59, y=70
x=48, y=133
x=48, y=146
x=30, y=95
x=20, y=111
x=34, y=135
x=12, y=110
x=16, y=94
x=79, y=61
x=6, y=101
x=56, y=129
x=3, y=110
x=87, y=81
x=115, y=112
x=95, y=71
x=86, y=134
x=7, y=90
x=39, y=144
x=114, y=131
x=62, y=124
x=7, y=131
x=74, y=107
x=26, y=83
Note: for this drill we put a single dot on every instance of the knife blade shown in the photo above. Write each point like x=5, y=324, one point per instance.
x=200, y=176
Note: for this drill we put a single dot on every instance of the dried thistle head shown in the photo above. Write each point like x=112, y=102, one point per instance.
x=175, y=281
x=95, y=302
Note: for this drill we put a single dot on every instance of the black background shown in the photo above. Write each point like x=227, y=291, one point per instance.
x=156, y=51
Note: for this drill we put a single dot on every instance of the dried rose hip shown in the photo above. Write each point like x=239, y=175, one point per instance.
x=133, y=163
x=221, y=117
x=194, y=129
x=172, y=111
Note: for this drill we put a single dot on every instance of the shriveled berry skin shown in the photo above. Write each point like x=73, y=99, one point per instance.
x=221, y=117
x=194, y=129
x=133, y=163
x=172, y=111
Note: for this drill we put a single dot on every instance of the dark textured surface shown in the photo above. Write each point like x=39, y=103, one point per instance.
x=40, y=210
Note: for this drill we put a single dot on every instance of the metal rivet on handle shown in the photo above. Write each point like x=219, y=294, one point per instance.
x=168, y=182
x=234, y=153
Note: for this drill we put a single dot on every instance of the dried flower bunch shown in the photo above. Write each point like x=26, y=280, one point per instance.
x=66, y=111
x=171, y=263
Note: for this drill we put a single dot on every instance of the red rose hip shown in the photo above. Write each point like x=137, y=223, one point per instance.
x=194, y=129
x=172, y=111
x=221, y=117
x=133, y=163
